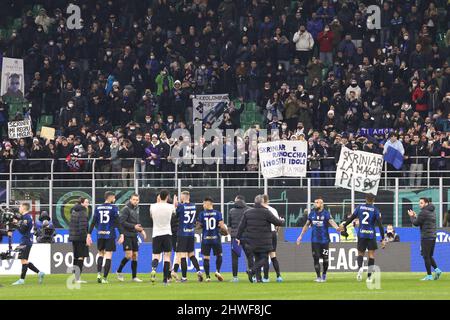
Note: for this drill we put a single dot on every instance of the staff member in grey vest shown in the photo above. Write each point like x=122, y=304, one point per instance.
x=426, y=220
x=257, y=225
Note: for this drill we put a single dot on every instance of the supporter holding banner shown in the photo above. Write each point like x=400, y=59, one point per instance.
x=210, y=108
x=361, y=167
x=12, y=83
x=19, y=129
x=283, y=158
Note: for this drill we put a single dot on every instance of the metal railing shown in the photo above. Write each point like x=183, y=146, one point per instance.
x=51, y=189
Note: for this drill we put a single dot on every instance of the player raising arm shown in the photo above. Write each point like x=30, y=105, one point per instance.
x=319, y=219
x=368, y=216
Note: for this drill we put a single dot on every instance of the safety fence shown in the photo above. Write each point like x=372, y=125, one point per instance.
x=47, y=185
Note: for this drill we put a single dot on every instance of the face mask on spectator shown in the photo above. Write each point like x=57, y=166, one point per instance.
x=70, y=105
x=93, y=139
x=170, y=120
x=284, y=127
x=78, y=94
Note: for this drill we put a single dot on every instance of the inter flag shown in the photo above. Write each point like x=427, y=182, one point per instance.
x=394, y=157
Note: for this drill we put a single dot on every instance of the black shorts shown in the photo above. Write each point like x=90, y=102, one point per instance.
x=130, y=243
x=367, y=244
x=80, y=249
x=274, y=241
x=320, y=250
x=216, y=248
x=162, y=244
x=186, y=244
x=174, y=240
x=25, y=252
x=106, y=244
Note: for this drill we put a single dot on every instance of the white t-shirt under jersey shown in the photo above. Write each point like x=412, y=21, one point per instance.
x=161, y=214
x=275, y=213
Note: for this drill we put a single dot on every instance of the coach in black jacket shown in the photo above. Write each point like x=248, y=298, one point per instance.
x=78, y=230
x=234, y=219
x=256, y=224
x=130, y=227
x=426, y=220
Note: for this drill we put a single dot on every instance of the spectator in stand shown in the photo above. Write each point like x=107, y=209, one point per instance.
x=304, y=43
x=146, y=65
x=420, y=98
x=325, y=40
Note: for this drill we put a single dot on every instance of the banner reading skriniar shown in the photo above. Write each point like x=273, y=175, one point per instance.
x=361, y=168
x=283, y=158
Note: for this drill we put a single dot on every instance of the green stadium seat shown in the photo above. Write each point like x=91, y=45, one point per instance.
x=46, y=120
x=17, y=23
x=251, y=106
x=36, y=9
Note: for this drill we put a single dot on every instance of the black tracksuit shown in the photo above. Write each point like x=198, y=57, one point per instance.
x=256, y=224
x=426, y=220
x=235, y=217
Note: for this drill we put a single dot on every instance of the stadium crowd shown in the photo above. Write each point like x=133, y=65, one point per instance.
x=117, y=88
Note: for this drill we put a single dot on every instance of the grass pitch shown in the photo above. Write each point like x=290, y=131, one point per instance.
x=401, y=286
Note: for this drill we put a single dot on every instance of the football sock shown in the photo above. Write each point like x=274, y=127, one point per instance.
x=206, y=266
x=107, y=268
x=99, y=264
x=122, y=264
x=370, y=264
x=32, y=267
x=317, y=266
x=325, y=265
x=360, y=260
x=155, y=263
x=276, y=266
x=134, y=268
x=166, y=270
x=183, y=267
x=218, y=263
x=79, y=263
x=24, y=271
x=176, y=267
x=195, y=263
x=266, y=270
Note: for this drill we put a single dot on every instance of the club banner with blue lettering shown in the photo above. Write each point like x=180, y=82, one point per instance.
x=363, y=169
x=283, y=158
